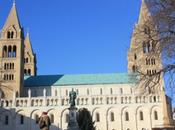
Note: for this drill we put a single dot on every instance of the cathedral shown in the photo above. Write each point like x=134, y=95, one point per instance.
x=114, y=100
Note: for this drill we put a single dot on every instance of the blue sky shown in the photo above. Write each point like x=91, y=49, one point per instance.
x=77, y=36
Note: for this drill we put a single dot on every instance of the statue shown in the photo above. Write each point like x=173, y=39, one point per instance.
x=72, y=124
x=72, y=97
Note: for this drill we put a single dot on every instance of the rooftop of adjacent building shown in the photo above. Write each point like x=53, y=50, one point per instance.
x=78, y=79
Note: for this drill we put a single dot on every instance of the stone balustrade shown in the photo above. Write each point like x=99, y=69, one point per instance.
x=81, y=100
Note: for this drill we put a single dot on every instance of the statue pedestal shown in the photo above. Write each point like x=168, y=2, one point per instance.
x=72, y=124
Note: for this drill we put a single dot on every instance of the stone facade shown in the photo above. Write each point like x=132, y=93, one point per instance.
x=112, y=99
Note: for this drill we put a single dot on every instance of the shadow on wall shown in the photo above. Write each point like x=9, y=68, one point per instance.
x=10, y=119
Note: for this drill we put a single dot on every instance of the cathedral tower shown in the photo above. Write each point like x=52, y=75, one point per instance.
x=143, y=55
x=11, y=56
x=29, y=58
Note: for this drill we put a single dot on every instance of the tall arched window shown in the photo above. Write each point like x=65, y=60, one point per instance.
x=14, y=51
x=12, y=65
x=155, y=115
x=121, y=91
x=29, y=71
x=126, y=116
x=25, y=71
x=66, y=92
x=112, y=116
x=141, y=116
x=87, y=91
x=12, y=35
x=111, y=91
x=5, y=66
x=6, y=122
x=9, y=51
x=26, y=60
x=101, y=91
x=36, y=118
x=4, y=54
x=144, y=47
x=135, y=57
x=134, y=68
x=97, y=117
x=21, y=119
x=8, y=35
x=12, y=77
x=51, y=118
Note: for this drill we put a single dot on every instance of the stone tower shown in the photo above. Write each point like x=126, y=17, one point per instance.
x=11, y=56
x=29, y=58
x=142, y=55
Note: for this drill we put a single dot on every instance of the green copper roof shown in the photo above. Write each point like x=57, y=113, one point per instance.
x=78, y=79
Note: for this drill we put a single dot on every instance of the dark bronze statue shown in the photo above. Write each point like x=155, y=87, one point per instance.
x=72, y=97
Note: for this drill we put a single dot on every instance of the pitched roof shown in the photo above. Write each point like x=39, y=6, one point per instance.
x=78, y=79
x=27, y=43
x=12, y=18
x=144, y=13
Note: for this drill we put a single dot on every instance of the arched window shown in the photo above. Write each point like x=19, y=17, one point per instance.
x=126, y=116
x=14, y=51
x=12, y=35
x=87, y=91
x=67, y=118
x=121, y=91
x=27, y=60
x=144, y=47
x=36, y=118
x=97, y=117
x=12, y=65
x=112, y=116
x=66, y=92
x=4, y=51
x=5, y=66
x=154, y=98
x=25, y=71
x=134, y=69
x=51, y=118
x=155, y=115
x=21, y=119
x=135, y=57
x=111, y=91
x=12, y=77
x=8, y=35
x=101, y=91
x=9, y=51
x=148, y=47
x=141, y=115
x=29, y=71
x=6, y=122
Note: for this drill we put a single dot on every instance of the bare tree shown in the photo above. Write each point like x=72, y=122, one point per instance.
x=160, y=31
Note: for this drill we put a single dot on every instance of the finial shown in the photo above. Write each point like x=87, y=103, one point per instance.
x=14, y=2
x=28, y=30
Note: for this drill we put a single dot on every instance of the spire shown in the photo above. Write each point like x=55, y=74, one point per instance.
x=144, y=13
x=27, y=43
x=12, y=19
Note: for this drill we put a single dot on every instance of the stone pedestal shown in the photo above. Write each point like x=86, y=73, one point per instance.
x=72, y=124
